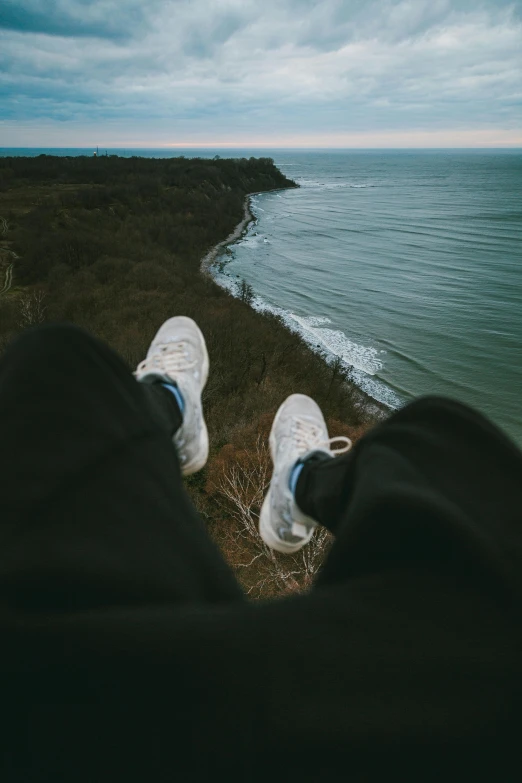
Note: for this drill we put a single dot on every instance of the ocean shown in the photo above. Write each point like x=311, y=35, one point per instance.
x=406, y=266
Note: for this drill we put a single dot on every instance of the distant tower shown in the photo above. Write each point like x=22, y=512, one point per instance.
x=96, y=153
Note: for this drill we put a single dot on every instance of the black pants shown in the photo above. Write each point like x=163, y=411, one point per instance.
x=128, y=650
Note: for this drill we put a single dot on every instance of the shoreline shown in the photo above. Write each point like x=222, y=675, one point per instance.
x=210, y=257
x=248, y=217
x=375, y=408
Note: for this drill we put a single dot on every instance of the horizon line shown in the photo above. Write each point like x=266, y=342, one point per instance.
x=229, y=145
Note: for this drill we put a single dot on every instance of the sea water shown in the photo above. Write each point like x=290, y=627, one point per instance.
x=405, y=265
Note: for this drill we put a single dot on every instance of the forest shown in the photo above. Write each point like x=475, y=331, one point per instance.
x=114, y=245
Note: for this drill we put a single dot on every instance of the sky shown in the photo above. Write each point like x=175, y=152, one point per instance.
x=260, y=73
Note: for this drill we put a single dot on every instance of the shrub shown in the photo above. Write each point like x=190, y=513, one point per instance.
x=246, y=292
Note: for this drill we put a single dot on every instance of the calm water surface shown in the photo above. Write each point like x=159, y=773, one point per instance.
x=407, y=265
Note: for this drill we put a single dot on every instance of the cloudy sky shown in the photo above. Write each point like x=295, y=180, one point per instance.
x=294, y=73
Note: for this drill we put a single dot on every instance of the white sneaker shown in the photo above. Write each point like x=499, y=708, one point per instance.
x=298, y=429
x=179, y=352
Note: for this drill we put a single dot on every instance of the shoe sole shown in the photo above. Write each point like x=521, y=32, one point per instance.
x=201, y=461
x=201, y=458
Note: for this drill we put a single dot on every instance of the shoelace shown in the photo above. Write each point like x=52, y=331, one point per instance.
x=171, y=359
x=307, y=436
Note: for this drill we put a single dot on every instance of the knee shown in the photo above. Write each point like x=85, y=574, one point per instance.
x=52, y=333
x=444, y=414
x=443, y=406
x=433, y=403
x=41, y=341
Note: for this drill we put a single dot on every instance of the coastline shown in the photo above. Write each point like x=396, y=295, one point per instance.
x=237, y=233
x=376, y=409
x=210, y=257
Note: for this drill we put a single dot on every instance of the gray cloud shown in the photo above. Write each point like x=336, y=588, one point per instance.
x=75, y=18
x=251, y=69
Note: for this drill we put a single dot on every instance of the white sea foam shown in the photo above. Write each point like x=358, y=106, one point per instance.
x=310, y=183
x=358, y=356
x=251, y=241
x=376, y=389
x=316, y=320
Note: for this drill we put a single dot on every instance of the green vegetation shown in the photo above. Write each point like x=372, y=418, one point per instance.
x=115, y=245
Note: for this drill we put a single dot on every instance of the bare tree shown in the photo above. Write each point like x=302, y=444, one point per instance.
x=32, y=309
x=245, y=292
x=314, y=555
x=242, y=488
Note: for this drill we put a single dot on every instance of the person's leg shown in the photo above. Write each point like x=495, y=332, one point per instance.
x=92, y=502
x=165, y=404
x=436, y=483
x=321, y=486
